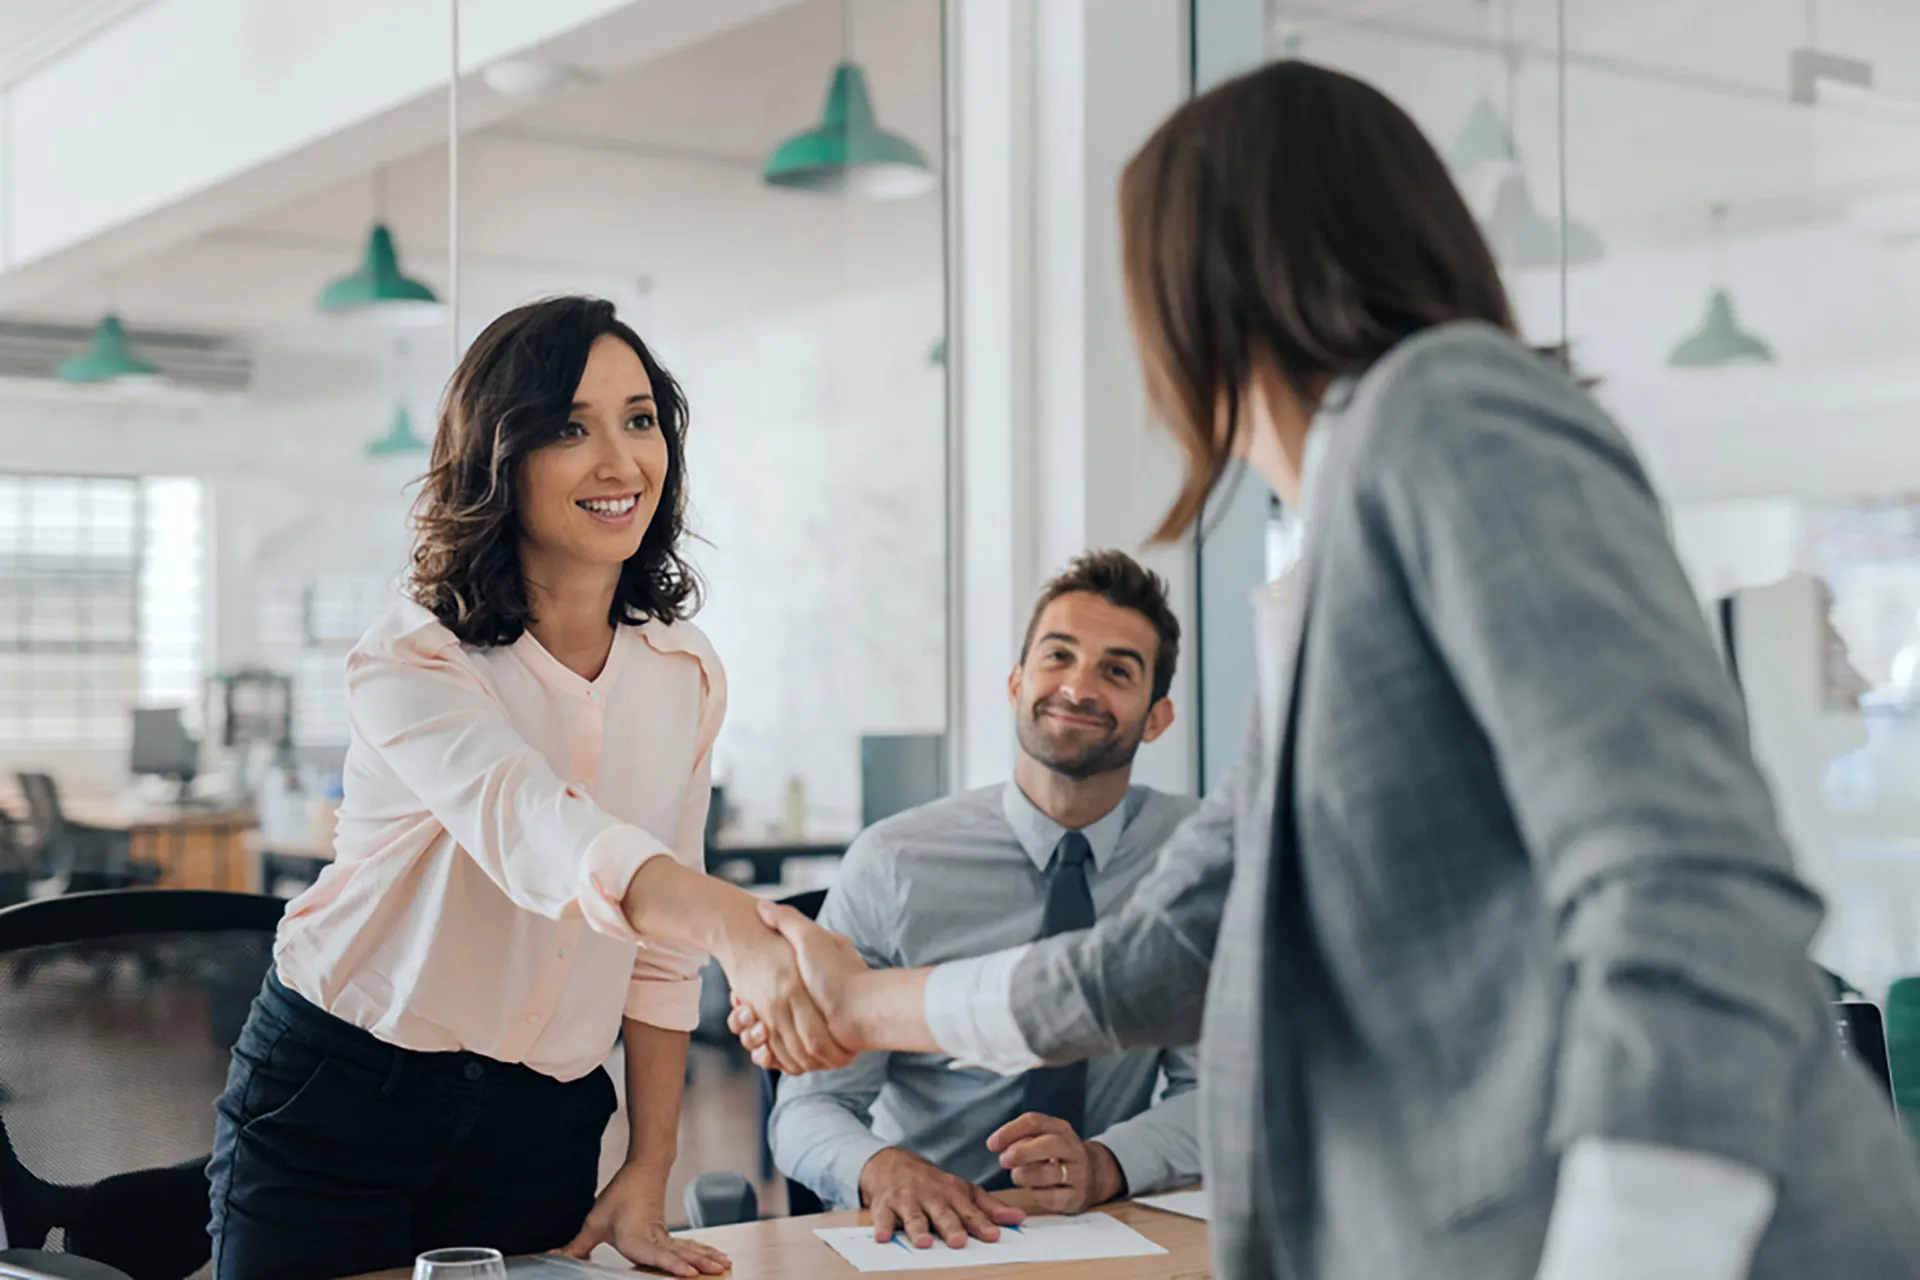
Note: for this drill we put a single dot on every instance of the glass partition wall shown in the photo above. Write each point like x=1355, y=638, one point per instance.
x=1715, y=208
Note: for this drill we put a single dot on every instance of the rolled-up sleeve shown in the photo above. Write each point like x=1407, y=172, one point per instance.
x=418, y=702
x=665, y=989
x=1537, y=556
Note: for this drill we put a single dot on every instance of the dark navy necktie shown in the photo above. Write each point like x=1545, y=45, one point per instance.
x=1060, y=1092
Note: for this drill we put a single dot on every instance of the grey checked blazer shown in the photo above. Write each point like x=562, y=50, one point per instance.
x=1507, y=876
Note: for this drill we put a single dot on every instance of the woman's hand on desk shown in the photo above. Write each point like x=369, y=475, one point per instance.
x=631, y=1215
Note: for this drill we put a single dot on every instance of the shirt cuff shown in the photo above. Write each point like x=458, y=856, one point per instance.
x=849, y=1161
x=1653, y=1212
x=671, y=1004
x=607, y=870
x=1142, y=1163
x=969, y=1012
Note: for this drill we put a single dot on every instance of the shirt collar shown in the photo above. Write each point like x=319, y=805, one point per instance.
x=1313, y=465
x=1038, y=834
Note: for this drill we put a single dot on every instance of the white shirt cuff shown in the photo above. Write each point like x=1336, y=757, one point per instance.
x=969, y=1011
x=1653, y=1212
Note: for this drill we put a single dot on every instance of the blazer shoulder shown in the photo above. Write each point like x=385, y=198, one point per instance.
x=1459, y=391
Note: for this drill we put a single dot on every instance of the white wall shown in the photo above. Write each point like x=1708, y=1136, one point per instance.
x=817, y=461
x=818, y=468
x=286, y=490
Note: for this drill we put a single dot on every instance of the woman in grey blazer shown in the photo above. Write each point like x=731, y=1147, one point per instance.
x=1502, y=956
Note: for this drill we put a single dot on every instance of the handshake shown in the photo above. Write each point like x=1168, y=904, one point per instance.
x=806, y=1001
x=799, y=993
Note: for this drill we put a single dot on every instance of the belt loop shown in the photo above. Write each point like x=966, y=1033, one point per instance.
x=392, y=1084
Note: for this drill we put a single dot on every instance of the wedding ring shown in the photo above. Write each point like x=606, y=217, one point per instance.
x=1064, y=1179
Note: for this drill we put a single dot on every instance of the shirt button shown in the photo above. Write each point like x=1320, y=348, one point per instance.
x=565, y=952
x=593, y=695
x=474, y=1071
x=533, y=1019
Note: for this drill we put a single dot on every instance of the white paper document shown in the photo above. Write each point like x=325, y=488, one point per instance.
x=1188, y=1204
x=1042, y=1239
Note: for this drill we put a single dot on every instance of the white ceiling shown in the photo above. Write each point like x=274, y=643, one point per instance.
x=1670, y=105
x=652, y=172
x=33, y=32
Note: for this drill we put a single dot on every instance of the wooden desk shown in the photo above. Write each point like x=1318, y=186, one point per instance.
x=787, y=1249
x=194, y=847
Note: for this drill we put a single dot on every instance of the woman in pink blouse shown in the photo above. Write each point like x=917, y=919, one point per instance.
x=519, y=860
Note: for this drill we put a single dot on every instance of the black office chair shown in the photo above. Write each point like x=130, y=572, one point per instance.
x=721, y=1199
x=108, y=1117
x=16, y=861
x=81, y=857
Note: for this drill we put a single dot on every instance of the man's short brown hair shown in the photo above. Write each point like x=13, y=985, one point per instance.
x=1124, y=583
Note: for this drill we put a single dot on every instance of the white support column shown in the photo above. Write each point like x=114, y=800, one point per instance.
x=1054, y=449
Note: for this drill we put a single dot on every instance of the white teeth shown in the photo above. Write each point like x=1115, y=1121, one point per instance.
x=609, y=506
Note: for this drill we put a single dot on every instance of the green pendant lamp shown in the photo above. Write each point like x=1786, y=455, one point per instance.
x=1485, y=136
x=379, y=290
x=399, y=438
x=1719, y=340
x=848, y=154
x=108, y=358
x=1523, y=238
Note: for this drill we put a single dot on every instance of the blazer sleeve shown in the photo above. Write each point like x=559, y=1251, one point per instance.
x=1535, y=552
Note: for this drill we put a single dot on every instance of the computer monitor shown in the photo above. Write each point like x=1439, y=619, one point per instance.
x=899, y=771
x=162, y=748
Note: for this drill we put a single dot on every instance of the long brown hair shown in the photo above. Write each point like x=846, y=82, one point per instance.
x=512, y=394
x=1295, y=223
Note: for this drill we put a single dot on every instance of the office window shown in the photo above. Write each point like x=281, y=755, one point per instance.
x=100, y=604
x=306, y=629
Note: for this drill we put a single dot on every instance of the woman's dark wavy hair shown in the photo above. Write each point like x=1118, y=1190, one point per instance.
x=511, y=395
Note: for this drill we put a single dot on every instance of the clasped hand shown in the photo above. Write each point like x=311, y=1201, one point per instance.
x=790, y=989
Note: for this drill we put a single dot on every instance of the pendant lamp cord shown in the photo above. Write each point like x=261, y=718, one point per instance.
x=846, y=30
x=1487, y=39
x=1510, y=51
x=453, y=180
x=1566, y=217
x=1719, y=215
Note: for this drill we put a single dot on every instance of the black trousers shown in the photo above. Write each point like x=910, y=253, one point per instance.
x=336, y=1153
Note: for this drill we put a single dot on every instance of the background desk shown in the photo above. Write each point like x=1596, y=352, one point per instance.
x=764, y=863
x=195, y=847
x=787, y=1249
x=288, y=865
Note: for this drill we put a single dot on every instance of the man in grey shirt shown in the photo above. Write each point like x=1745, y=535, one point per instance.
x=1060, y=845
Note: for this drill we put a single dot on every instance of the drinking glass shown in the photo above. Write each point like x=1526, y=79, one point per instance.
x=460, y=1264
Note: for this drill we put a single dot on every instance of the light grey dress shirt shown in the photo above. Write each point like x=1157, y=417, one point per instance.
x=961, y=877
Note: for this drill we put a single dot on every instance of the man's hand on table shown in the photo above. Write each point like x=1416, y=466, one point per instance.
x=907, y=1194
x=1064, y=1173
